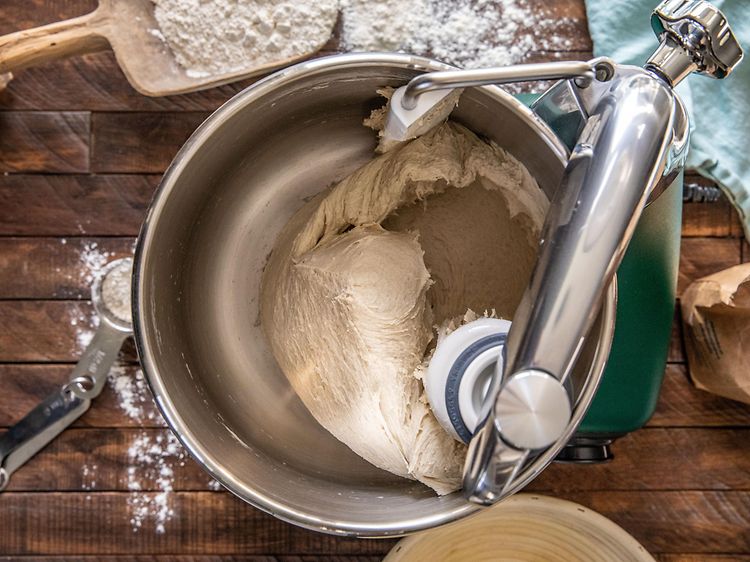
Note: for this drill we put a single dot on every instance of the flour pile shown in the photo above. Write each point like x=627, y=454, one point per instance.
x=220, y=36
x=466, y=33
x=410, y=241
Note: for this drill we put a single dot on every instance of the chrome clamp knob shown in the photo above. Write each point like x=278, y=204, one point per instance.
x=695, y=37
x=532, y=410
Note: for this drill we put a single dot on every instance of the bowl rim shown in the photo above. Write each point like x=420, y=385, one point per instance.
x=145, y=336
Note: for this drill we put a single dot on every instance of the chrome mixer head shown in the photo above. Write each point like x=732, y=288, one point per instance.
x=631, y=143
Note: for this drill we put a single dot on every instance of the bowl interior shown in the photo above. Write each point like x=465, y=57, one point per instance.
x=200, y=258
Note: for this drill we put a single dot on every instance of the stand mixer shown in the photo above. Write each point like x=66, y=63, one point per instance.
x=606, y=145
x=505, y=388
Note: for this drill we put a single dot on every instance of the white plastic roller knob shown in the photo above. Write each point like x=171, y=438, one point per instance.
x=460, y=372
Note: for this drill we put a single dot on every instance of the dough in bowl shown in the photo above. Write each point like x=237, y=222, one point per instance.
x=362, y=274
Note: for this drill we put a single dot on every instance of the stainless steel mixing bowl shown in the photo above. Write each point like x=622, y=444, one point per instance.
x=199, y=261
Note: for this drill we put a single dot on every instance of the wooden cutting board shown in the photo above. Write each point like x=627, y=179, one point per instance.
x=127, y=27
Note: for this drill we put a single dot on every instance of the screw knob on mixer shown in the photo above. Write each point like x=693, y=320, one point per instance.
x=695, y=37
x=532, y=410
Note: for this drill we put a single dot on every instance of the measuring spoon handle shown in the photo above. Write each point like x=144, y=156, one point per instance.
x=60, y=409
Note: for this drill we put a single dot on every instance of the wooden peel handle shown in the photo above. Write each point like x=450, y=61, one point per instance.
x=49, y=42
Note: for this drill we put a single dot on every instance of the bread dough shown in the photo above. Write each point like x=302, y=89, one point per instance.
x=361, y=275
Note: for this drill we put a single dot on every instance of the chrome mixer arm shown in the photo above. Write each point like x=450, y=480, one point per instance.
x=634, y=138
x=619, y=158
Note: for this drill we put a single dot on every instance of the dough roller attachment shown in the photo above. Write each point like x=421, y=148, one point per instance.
x=631, y=143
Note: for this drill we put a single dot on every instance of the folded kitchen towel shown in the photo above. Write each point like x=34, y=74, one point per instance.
x=719, y=109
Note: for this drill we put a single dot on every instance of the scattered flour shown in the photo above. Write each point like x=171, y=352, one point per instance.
x=133, y=394
x=84, y=324
x=220, y=36
x=93, y=260
x=153, y=460
x=89, y=476
x=467, y=33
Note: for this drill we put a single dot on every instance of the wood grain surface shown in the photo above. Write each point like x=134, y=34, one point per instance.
x=81, y=154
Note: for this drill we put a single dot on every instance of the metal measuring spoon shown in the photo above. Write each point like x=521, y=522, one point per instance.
x=110, y=294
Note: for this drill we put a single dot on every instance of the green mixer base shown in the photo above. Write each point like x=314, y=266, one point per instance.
x=647, y=283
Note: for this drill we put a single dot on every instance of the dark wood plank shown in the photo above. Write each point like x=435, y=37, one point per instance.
x=717, y=458
x=99, y=523
x=674, y=522
x=44, y=142
x=56, y=268
x=74, y=205
x=139, y=142
x=60, y=523
x=47, y=331
x=95, y=83
x=683, y=405
x=125, y=402
x=650, y=459
x=23, y=14
x=208, y=558
x=703, y=256
x=676, y=352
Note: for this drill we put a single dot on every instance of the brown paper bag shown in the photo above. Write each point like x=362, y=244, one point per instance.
x=716, y=317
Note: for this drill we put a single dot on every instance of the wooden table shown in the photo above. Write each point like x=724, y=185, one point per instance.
x=81, y=154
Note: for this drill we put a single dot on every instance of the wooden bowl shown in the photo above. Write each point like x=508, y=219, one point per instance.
x=524, y=528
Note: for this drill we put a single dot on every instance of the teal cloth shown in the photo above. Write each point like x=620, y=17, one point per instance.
x=719, y=109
